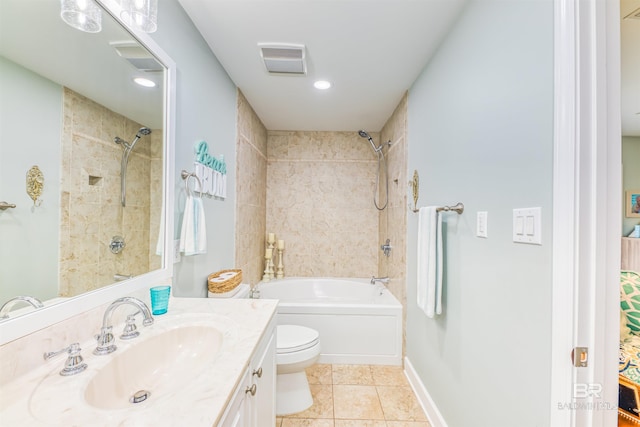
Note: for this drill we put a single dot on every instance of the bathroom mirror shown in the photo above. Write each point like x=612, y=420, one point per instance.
x=66, y=96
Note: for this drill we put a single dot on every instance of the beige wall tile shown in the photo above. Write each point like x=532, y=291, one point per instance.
x=319, y=201
x=90, y=196
x=251, y=172
x=393, y=220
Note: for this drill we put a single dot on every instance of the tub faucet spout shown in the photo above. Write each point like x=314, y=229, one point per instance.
x=375, y=280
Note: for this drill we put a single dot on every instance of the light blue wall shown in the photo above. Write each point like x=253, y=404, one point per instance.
x=480, y=132
x=206, y=110
x=630, y=177
x=31, y=112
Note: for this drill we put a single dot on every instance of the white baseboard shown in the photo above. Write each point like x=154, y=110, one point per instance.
x=428, y=405
x=359, y=359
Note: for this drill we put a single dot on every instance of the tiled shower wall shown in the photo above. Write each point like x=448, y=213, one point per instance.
x=393, y=220
x=314, y=190
x=320, y=188
x=90, y=197
x=251, y=176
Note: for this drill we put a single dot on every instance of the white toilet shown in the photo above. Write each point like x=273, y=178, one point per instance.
x=298, y=347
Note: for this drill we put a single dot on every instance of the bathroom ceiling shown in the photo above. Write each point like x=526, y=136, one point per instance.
x=370, y=50
x=78, y=60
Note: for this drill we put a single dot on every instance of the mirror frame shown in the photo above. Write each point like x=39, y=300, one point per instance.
x=35, y=320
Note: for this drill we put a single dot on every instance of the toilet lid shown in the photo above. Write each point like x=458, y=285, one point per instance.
x=293, y=338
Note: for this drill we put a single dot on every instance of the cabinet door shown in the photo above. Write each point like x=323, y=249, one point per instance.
x=237, y=413
x=263, y=375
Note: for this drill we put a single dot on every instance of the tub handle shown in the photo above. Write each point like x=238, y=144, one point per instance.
x=258, y=372
x=251, y=389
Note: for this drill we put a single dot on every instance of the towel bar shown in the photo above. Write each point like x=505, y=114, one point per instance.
x=459, y=208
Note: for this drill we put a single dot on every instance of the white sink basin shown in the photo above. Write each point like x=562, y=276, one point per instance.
x=154, y=367
x=168, y=359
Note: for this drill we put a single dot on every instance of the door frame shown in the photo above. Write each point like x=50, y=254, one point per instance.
x=587, y=191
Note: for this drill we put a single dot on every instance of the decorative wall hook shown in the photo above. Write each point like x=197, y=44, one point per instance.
x=35, y=185
x=415, y=187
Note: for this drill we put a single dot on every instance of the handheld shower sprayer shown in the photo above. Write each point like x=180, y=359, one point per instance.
x=364, y=134
x=381, y=162
x=125, y=159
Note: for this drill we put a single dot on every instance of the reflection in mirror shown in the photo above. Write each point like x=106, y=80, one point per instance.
x=66, y=96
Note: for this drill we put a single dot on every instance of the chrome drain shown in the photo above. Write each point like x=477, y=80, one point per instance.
x=140, y=396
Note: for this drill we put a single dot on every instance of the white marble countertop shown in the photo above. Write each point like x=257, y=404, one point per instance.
x=42, y=397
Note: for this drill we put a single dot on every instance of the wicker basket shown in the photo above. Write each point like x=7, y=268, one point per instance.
x=224, y=280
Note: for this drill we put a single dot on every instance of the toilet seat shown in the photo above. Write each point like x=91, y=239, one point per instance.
x=294, y=338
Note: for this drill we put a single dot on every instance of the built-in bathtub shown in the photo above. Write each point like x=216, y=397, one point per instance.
x=359, y=323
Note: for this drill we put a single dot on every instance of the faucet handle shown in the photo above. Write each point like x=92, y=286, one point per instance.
x=130, y=329
x=74, y=363
x=105, y=342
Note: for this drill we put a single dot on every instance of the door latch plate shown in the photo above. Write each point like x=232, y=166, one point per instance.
x=580, y=357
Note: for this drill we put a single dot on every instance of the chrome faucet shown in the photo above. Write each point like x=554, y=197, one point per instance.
x=7, y=306
x=105, y=338
x=384, y=280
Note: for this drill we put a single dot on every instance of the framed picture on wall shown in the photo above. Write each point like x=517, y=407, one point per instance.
x=633, y=203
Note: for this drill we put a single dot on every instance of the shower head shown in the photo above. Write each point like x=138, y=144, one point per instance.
x=143, y=131
x=364, y=134
x=129, y=146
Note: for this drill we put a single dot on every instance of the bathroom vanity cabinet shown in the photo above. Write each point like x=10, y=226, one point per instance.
x=232, y=384
x=253, y=401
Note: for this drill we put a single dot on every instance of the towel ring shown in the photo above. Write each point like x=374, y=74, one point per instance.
x=185, y=176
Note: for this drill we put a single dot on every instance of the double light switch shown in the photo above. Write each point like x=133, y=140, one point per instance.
x=527, y=226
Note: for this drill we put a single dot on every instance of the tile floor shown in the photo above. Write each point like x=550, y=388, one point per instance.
x=358, y=396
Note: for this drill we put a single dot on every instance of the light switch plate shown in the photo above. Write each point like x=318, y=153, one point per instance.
x=527, y=226
x=481, y=224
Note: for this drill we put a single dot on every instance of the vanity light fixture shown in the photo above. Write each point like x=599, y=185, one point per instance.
x=84, y=15
x=322, y=84
x=144, y=82
x=140, y=14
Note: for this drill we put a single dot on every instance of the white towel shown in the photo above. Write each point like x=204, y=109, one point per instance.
x=193, y=236
x=429, y=260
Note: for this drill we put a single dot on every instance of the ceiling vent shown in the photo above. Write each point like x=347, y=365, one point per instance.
x=633, y=15
x=283, y=58
x=137, y=56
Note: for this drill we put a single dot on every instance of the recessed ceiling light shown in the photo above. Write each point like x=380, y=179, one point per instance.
x=144, y=82
x=322, y=84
